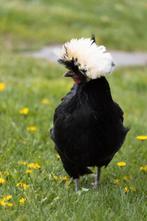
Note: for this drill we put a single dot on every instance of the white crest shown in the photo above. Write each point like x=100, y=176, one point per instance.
x=94, y=60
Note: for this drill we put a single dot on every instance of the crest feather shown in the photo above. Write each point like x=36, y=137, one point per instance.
x=83, y=55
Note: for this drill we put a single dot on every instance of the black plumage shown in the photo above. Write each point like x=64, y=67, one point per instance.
x=88, y=127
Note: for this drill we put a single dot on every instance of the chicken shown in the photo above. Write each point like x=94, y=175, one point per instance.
x=88, y=125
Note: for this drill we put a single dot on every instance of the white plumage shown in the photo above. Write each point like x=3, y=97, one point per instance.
x=93, y=59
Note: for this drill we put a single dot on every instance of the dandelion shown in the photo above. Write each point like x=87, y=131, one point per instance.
x=126, y=189
x=8, y=204
x=28, y=171
x=4, y=201
x=33, y=166
x=121, y=164
x=22, y=200
x=32, y=129
x=5, y=204
x=23, y=186
x=2, y=181
x=2, y=86
x=143, y=168
x=24, y=163
x=24, y=111
x=129, y=189
x=45, y=101
x=65, y=178
x=141, y=138
x=60, y=178
x=7, y=197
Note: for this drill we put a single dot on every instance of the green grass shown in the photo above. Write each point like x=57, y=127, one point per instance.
x=28, y=81
x=26, y=24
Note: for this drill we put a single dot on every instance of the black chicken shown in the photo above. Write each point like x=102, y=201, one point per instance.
x=88, y=125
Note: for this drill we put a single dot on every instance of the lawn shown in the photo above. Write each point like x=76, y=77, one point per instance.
x=26, y=24
x=32, y=174
x=33, y=183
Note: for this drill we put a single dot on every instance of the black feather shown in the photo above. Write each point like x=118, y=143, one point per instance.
x=88, y=127
x=93, y=38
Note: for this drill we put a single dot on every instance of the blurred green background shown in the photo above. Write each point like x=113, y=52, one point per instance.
x=33, y=23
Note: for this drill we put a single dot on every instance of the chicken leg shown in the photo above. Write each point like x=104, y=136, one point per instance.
x=76, y=184
x=97, y=177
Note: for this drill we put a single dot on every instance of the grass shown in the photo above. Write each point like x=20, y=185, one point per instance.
x=26, y=24
x=49, y=197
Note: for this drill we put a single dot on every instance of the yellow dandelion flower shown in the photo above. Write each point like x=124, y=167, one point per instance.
x=2, y=181
x=24, y=111
x=7, y=197
x=116, y=182
x=33, y=166
x=28, y=171
x=2, y=86
x=144, y=168
x=5, y=204
x=141, y=138
x=23, y=186
x=126, y=189
x=22, y=200
x=45, y=101
x=8, y=204
x=32, y=129
x=2, y=203
x=60, y=178
x=121, y=164
x=24, y=163
x=64, y=178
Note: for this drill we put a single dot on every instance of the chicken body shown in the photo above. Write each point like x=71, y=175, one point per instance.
x=88, y=127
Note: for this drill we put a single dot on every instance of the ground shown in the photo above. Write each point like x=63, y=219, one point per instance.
x=33, y=184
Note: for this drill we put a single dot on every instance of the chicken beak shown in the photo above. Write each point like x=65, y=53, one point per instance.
x=69, y=74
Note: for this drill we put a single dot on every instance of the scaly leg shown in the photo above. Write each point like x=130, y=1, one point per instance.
x=97, y=177
x=76, y=184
